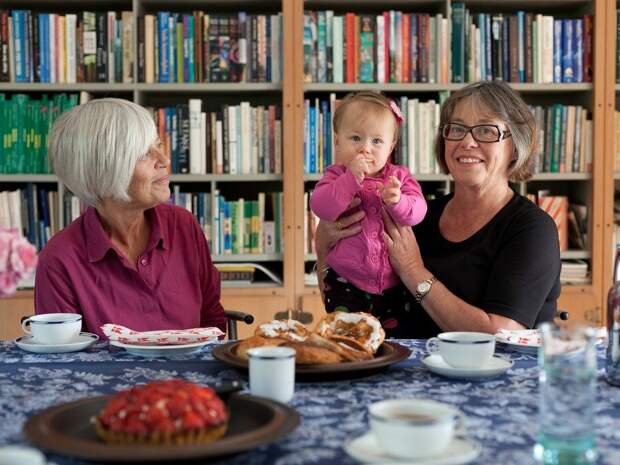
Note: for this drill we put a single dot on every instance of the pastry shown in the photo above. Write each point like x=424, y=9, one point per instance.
x=163, y=413
x=339, y=337
x=308, y=354
x=360, y=331
x=241, y=349
x=291, y=330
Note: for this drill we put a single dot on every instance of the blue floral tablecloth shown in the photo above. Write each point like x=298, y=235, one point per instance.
x=502, y=412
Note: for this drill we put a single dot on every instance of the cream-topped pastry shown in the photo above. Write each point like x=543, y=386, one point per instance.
x=292, y=330
x=360, y=327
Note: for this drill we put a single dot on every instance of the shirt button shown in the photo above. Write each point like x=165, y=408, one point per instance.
x=373, y=210
x=374, y=258
x=374, y=234
x=143, y=261
x=372, y=282
x=370, y=187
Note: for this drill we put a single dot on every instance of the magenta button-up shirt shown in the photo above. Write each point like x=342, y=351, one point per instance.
x=362, y=259
x=175, y=285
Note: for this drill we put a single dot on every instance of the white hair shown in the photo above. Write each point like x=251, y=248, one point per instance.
x=93, y=148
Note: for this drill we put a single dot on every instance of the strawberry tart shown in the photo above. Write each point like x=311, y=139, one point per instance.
x=163, y=412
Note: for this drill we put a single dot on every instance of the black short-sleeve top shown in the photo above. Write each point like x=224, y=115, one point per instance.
x=510, y=267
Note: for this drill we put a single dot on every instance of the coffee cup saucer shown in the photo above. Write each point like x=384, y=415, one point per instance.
x=79, y=342
x=494, y=367
x=366, y=449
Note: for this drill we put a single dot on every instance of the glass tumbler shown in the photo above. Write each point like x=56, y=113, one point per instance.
x=567, y=383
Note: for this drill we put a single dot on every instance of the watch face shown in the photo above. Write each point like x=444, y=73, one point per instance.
x=424, y=287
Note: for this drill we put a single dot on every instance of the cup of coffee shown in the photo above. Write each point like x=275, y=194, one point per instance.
x=463, y=349
x=53, y=328
x=272, y=372
x=414, y=428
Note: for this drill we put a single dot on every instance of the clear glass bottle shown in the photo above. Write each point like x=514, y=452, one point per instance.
x=612, y=360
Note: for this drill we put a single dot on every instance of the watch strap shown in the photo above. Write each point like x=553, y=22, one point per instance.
x=418, y=296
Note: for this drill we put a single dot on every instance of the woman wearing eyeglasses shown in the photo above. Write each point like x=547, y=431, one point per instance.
x=484, y=257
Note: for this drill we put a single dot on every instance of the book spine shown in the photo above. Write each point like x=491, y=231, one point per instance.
x=568, y=70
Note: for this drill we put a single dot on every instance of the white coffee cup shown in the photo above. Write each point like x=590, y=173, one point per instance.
x=463, y=349
x=21, y=455
x=414, y=428
x=272, y=372
x=53, y=328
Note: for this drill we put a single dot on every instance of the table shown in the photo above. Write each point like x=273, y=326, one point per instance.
x=502, y=412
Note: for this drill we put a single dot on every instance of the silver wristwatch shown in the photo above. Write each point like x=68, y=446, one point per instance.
x=423, y=288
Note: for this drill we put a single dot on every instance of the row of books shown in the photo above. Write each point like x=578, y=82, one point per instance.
x=75, y=47
x=397, y=46
x=230, y=227
x=236, y=226
x=571, y=219
x=237, y=139
x=97, y=46
x=390, y=47
x=564, y=135
x=565, y=139
x=201, y=47
x=525, y=47
x=415, y=149
x=24, y=127
x=575, y=272
x=32, y=211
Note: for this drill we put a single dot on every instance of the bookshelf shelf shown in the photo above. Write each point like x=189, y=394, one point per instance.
x=422, y=87
x=235, y=5
x=224, y=177
x=575, y=255
x=209, y=87
x=247, y=257
x=566, y=255
x=77, y=87
x=28, y=178
x=561, y=177
x=420, y=177
x=536, y=177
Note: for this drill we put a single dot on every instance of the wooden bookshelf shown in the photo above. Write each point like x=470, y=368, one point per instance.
x=585, y=303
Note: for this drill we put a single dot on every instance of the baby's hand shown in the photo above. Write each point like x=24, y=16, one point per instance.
x=359, y=167
x=391, y=191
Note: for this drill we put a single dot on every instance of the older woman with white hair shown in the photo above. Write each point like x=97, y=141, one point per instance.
x=131, y=258
x=484, y=257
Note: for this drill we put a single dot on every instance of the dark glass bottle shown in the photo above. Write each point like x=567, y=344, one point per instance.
x=612, y=360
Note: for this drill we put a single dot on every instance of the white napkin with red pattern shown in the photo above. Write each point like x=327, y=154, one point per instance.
x=160, y=338
x=523, y=337
x=532, y=337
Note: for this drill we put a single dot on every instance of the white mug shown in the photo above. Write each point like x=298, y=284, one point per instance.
x=272, y=372
x=415, y=428
x=463, y=349
x=53, y=328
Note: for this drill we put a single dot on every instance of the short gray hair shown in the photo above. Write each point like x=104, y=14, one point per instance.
x=498, y=100
x=94, y=148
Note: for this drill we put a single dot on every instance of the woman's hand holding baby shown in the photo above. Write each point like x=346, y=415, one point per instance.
x=391, y=191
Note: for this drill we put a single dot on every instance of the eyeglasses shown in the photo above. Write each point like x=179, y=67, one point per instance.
x=480, y=132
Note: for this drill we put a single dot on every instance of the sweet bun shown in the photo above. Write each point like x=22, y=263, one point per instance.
x=241, y=349
x=358, y=331
x=346, y=352
x=339, y=337
x=309, y=354
x=291, y=330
